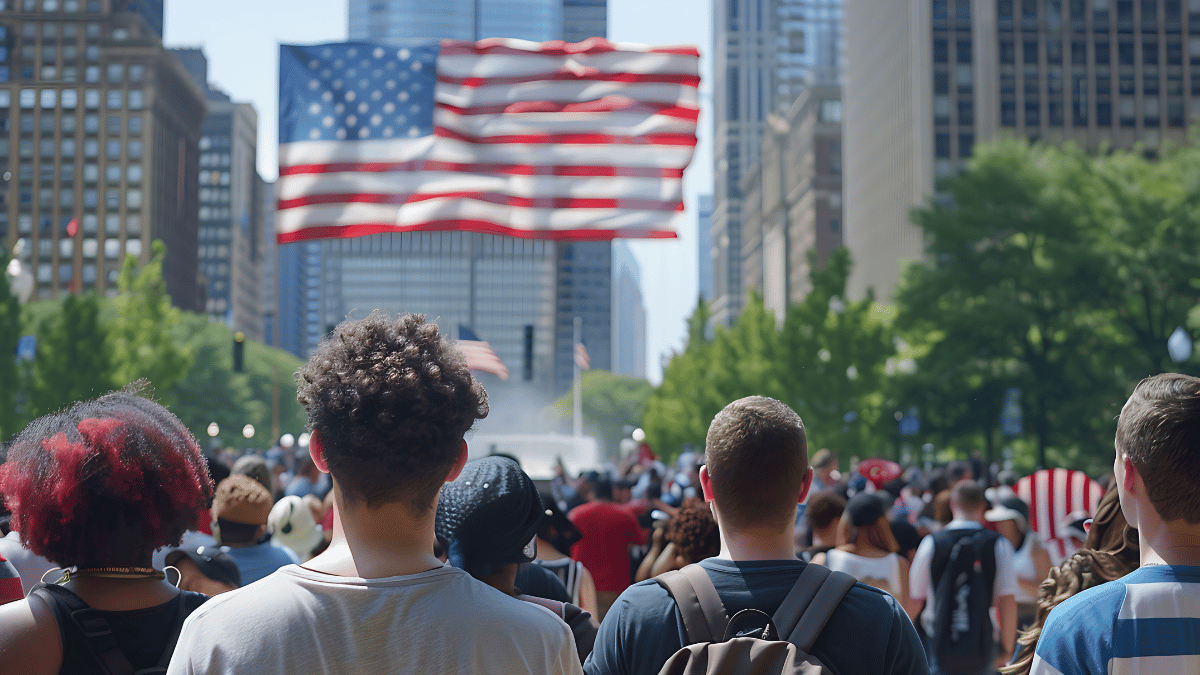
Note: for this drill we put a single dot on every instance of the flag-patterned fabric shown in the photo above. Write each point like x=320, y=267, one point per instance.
x=479, y=354
x=581, y=357
x=10, y=583
x=1053, y=494
x=583, y=141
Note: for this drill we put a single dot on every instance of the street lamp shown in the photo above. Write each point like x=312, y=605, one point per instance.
x=248, y=431
x=213, y=430
x=286, y=441
x=1179, y=345
x=303, y=440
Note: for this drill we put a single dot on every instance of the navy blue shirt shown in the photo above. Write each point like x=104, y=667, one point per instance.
x=869, y=632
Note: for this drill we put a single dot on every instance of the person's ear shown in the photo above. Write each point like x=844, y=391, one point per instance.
x=317, y=452
x=1131, y=476
x=808, y=477
x=706, y=483
x=459, y=463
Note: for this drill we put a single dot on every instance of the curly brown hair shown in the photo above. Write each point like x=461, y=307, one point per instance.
x=1115, y=552
x=694, y=533
x=105, y=483
x=389, y=402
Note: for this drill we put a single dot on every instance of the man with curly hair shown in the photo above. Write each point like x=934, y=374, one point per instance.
x=388, y=403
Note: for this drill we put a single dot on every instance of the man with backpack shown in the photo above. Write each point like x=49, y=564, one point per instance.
x=786, y=615
x=967, y=570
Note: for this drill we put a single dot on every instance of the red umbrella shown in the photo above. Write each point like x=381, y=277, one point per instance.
x=879, y=471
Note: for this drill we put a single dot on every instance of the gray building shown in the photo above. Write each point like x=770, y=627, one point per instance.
x=766, y=52
x=521, y=296
x=629, y=314
x=270, y=264
x=101, y=127
x=926, y=81
x=230, y=235
x=704, y=246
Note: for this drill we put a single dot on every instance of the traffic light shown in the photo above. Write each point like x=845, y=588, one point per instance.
x=239, y=352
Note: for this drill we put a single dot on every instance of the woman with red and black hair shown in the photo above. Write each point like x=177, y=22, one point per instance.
x=96, y=489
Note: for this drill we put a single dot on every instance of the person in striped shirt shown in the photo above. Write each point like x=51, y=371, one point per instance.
x=1147, y=621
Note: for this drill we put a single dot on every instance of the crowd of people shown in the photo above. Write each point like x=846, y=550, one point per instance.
x=382, y=549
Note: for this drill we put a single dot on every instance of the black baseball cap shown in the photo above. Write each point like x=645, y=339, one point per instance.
x=212, y=562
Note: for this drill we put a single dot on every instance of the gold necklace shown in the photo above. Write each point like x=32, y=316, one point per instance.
x=113, y=573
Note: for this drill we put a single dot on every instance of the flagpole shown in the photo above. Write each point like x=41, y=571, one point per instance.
x=578, y=416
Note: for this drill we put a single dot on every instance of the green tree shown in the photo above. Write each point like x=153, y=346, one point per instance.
x=142, y=345
x=610, y=403
x=73, y=361
x=828, y=361
x=10, y=332
x=1057, y=273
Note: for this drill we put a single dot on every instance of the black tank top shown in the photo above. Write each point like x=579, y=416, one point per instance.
x=141, y=634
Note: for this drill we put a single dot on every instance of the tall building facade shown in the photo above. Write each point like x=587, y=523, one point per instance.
x=521, y=296
x=270, y=263
x=766, y=53
x=629, y=314
x=792, y=209
x=100, y=132
x=230, y=235
x=704, y=246
x=926, y=81
x=299, y=297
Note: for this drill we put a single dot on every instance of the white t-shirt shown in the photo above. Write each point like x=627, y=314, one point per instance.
x=440, y=621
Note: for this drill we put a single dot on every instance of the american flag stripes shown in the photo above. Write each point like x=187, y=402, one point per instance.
x=551, y=140
x=479, y=354
x=581, y=357
x=1053, y=494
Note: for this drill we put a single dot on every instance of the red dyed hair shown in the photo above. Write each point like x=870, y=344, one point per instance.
x=104, y=483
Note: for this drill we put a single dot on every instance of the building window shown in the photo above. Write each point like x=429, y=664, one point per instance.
x=1150, y=84
x=1008, y=51
x=112, y=174
x=964, y=76
x=116, y=99
x=135, y=125
x=137, y=73
x=1033, y=112
x=962, y=51
x=112, y=149
x=116, y=73
x=1150, y=52
x=966, y=112
x=133, y=174
x=1103, y=53
x=1054, y=111
x=91, y=74
x=136, y=99
x=1030, y=51
x=1175, y=112
x=91, y=98
x=1053, y=51
x=114, y=125
x=941, y=110
x=1125, y=52
x=941, y=51
x=1127, y=111
x=941, y=146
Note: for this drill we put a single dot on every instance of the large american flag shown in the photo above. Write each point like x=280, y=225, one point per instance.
x=479, y=354
x=551, y=140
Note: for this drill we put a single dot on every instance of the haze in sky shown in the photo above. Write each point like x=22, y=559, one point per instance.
x=240, y=38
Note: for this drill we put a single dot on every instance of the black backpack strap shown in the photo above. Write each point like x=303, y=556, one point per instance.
x=177, y=618
x=92, y=625
x=804, y=612
x=704, y=616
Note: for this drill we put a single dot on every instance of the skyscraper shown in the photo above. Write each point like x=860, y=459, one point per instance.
x=926, y=81
x=507, y=290
x=230, y=244
x=766, y=52
x=704, y=246
x=629, y=314
x=101, y=127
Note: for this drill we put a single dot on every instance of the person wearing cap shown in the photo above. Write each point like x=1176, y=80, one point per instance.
x=490, y=515
x=389, y=403
x=1030, y=560
x=241, y=508
x=868, y=551
x=204, y=569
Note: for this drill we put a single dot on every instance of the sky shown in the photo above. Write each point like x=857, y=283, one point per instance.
x=240, y=38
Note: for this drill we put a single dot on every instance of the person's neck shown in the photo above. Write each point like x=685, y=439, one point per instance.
x=504, y=580
x=242, y=544
x=546, y=551
x=374, y=543
x=826, y=537
x=757, y=543
x=969, y=516
x=1174, y=543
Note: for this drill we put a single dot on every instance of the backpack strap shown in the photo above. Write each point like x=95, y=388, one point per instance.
x=177, y=618
x=804, y=612
x=91, y=623
x=704, y=616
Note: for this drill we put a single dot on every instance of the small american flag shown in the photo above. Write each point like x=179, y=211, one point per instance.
x=479, y=354
x=551, y=140
x=581, y=357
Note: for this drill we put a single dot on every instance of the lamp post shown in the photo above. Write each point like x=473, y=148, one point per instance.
x=1179, y=345
x=248, y=431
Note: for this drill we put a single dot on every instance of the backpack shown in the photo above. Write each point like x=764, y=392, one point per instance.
x=751, y=642
x=963, y=571
x=103, y=649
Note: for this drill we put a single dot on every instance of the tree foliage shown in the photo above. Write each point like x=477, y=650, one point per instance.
x=73, y=360
x=828, y=359
x=10, y=332
x=142, y=345
x=610, y=404
x=1056, y=273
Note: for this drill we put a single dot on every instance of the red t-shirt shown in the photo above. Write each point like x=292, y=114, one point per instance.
x=608, y=532
x=10, y=583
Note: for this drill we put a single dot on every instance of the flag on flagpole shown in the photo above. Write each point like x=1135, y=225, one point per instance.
x=581, y=357
x=549, y=140
x=479, y=354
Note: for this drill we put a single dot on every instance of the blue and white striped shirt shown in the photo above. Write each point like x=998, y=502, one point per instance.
x=1145, y=622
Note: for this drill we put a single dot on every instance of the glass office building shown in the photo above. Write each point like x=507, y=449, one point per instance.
x=537, y=20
